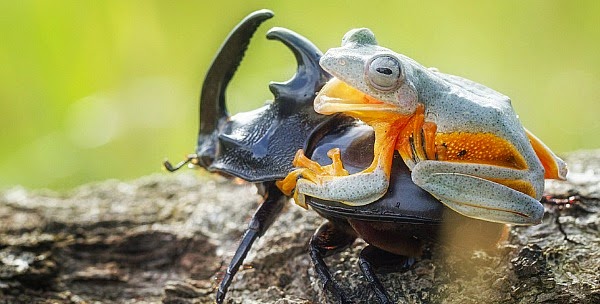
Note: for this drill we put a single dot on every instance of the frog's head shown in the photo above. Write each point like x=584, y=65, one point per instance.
x=368, y=79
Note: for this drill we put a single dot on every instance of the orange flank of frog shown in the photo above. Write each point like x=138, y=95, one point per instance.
x=482, y=148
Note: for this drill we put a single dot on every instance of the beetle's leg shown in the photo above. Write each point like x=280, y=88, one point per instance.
x=372, y=258
x=488, y=192
x=264, y=216
x=329, y=239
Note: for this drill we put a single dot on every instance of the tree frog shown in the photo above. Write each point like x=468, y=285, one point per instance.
x=461, y=140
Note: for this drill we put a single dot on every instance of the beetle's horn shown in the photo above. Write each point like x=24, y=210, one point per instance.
x=309, y=77
x=213, y=108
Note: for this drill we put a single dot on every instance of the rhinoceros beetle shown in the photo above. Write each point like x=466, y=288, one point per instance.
x=259, y=146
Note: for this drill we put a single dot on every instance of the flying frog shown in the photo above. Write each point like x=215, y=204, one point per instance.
x=461, y=140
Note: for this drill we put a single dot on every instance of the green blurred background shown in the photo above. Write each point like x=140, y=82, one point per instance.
x=92, y=90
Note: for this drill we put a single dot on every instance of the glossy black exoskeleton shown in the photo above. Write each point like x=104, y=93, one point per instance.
x=259, y=146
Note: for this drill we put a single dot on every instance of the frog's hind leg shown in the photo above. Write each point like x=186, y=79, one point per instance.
x=486, y=192
x=554, y=167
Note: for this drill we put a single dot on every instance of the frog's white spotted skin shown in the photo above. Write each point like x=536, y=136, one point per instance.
x=354, y=190
x=456, y=113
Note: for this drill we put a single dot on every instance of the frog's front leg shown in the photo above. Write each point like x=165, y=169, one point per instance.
x=483, y=191
x=332, y=182
x=354, y=190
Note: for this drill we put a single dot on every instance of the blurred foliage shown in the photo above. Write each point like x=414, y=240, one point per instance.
x=92, y=90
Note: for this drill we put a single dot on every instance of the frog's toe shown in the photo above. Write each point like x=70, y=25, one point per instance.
x=301, y=161
x=337, y=167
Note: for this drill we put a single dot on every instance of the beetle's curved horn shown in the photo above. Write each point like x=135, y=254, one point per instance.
x=309, y=77
x=213, y=108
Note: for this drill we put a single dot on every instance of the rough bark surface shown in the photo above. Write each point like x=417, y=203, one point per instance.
x=167, y=238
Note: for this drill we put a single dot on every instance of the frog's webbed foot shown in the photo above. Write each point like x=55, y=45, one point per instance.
x=335, y=169
x=312, y=172
x=484, y=192
x=333, y=182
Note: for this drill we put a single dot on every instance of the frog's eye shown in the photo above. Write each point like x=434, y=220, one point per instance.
x=384, y=73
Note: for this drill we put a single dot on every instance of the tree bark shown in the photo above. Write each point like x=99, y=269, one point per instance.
x=168, y=237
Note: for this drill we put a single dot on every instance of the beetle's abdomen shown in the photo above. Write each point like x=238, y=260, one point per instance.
x=483, y=148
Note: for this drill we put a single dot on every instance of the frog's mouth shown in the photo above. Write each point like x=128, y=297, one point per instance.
x=337, y=96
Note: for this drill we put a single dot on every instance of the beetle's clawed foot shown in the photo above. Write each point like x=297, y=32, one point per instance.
x=311, y=171
x=220, y=296
x=336, y=291
x=190, y=159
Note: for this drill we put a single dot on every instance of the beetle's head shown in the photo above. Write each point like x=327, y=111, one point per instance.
x=213, y=109
x=228, y=144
